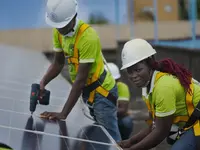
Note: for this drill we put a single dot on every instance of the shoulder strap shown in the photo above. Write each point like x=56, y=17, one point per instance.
x=81, y=30
x=60, y=38
x=159, y=75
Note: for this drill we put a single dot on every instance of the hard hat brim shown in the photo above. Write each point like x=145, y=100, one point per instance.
x=135, y=62
x=57, y=25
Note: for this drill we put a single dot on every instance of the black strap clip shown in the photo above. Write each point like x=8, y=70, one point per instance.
x=194, y=117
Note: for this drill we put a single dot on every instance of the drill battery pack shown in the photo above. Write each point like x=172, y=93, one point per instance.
x=36, y=97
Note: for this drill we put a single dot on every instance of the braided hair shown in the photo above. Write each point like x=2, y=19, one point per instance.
x=169, y=66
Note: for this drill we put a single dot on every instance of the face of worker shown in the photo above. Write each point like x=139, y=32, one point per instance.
x=140, y=74
x=68, y=28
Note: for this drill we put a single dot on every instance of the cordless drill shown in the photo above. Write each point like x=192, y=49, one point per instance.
x=36, y=98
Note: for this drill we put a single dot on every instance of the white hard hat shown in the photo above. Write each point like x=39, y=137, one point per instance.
x=135, y=51
x=114, y=70
x=60, y=12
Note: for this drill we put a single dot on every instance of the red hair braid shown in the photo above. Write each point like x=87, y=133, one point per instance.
x=171, y=67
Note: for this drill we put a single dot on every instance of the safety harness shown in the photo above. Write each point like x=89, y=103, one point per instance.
x=94, y=84
x=192, y=120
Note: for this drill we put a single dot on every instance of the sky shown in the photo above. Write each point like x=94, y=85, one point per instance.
x=20, y=14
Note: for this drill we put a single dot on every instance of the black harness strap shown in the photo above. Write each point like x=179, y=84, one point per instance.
x=96, y=84
x=194, y=117
x=191, y=121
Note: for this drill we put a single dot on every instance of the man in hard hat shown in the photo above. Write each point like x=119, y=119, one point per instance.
x=80, y=45
x=125, y=122
x=171, y=95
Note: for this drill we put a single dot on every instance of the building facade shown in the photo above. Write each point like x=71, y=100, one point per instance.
x=142, y=10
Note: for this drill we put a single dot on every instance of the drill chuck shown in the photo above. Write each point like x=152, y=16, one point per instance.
x=36, y=98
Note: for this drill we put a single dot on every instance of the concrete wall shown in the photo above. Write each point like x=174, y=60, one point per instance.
x=41, y=39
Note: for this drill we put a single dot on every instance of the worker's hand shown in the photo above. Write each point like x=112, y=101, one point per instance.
x=52, y=115
x=125, y=144
x=42, y=87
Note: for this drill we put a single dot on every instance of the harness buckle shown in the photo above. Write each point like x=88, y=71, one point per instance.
x=89, y=105
x=153, y=125
x=197, y=109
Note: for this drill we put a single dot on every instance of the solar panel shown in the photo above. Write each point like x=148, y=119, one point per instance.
x=20, y=130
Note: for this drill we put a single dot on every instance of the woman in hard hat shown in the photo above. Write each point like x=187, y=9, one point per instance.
x=125, y=122
x=171, y=95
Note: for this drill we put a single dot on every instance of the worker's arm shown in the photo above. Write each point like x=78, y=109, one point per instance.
x=75, y=92
x=77, y=87
x=141, y=135
x=122, y=108
x=136, y=138
x=87, y=55
x=54, y=69
x=158, y=134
